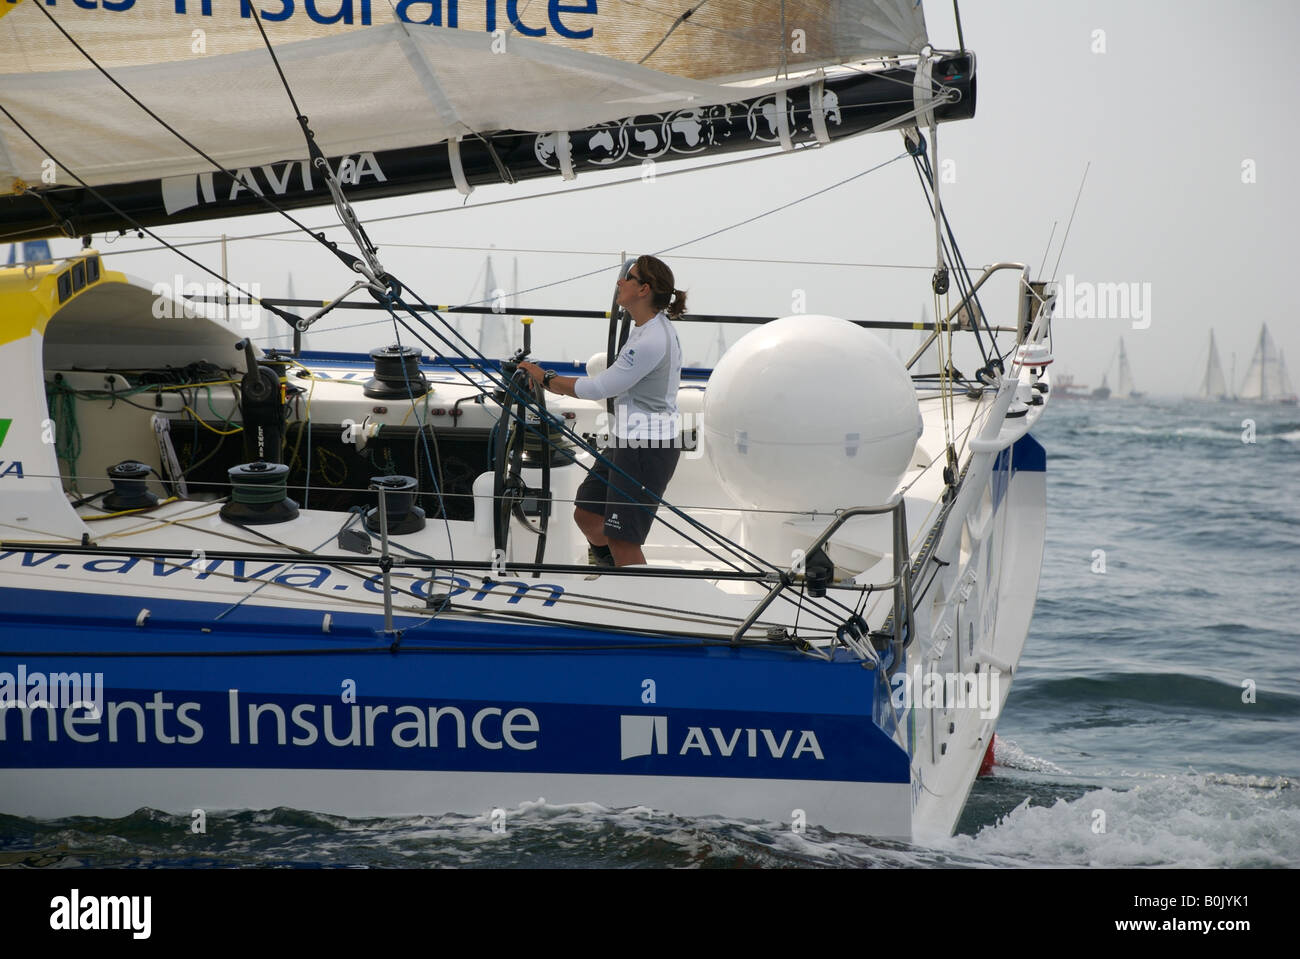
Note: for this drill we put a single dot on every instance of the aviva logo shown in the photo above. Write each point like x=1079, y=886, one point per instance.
x=643, y=735
x=646, y=735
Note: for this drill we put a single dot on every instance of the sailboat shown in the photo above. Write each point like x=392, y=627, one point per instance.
x=1213, y=386
x=1266, y=379
x=346, y=583
x=496, y=335
x=1125, y=386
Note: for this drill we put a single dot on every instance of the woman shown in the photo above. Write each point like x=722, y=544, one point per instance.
x=613, y=511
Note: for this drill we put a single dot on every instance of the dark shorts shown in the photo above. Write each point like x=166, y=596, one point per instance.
x=628, y=509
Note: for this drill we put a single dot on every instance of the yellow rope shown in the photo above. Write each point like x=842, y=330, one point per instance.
x=199, y=419
x=128, y=512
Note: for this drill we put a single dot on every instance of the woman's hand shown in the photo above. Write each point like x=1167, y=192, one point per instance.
x=533, y=370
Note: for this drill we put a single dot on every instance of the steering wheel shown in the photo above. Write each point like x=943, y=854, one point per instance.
x=515, y=429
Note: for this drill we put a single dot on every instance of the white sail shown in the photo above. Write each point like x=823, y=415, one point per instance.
x=1266, y=378
x=1213, y=386
x=495, y=329
x=1284, y=380
x=371, y=82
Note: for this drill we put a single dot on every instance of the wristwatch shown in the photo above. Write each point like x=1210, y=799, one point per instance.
x=548, y=376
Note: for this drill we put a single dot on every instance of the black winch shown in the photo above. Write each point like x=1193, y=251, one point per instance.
x=399, y=501
x=397, y=374
x=129, y=490
x=258, y=495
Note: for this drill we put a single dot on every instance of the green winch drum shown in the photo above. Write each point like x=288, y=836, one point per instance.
x=258, y=495
x=399, y=498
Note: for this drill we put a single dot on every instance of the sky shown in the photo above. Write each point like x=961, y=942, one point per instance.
x=1180, y=112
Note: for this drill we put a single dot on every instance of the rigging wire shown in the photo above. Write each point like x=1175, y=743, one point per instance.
x=170, y=129
x=368, y=248
x=364, y=242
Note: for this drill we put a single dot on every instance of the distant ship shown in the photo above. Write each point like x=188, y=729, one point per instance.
x=1064, y=388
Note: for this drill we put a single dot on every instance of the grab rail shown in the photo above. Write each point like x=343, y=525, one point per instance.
x=988, y=272
x=900, y=583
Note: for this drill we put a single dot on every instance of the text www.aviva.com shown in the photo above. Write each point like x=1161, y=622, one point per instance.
x=1203, y=926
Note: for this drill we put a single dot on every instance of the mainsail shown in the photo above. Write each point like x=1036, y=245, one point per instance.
x=495, y=85
x=1213, y=386
x=1266, y=378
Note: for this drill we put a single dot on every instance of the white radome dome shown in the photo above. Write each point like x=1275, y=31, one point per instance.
x=810, y=413
x=598, y=363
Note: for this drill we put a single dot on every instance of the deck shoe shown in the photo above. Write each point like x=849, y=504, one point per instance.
x=600, y=556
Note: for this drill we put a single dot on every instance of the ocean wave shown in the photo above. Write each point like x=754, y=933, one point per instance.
x=1200, y=695
x=1189, y=821
x=532, y=835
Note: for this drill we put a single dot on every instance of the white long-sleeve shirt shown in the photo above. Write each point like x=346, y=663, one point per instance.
x=645, y=376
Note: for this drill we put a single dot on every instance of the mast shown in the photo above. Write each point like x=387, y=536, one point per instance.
x=1212, y=384
x=1125, y=374
x=1204, y=391
x=1263, y=360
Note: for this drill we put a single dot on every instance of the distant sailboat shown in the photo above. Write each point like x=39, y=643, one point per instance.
x=1102, y=392
x=1125, y=387
x=1266, y=379
x=497, y=331
x=1213, y=386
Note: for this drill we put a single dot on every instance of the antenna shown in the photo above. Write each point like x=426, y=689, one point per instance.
x=1055, y=224
x=1071, y=223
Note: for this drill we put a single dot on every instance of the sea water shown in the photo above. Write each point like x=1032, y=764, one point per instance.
x=1154, y=720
